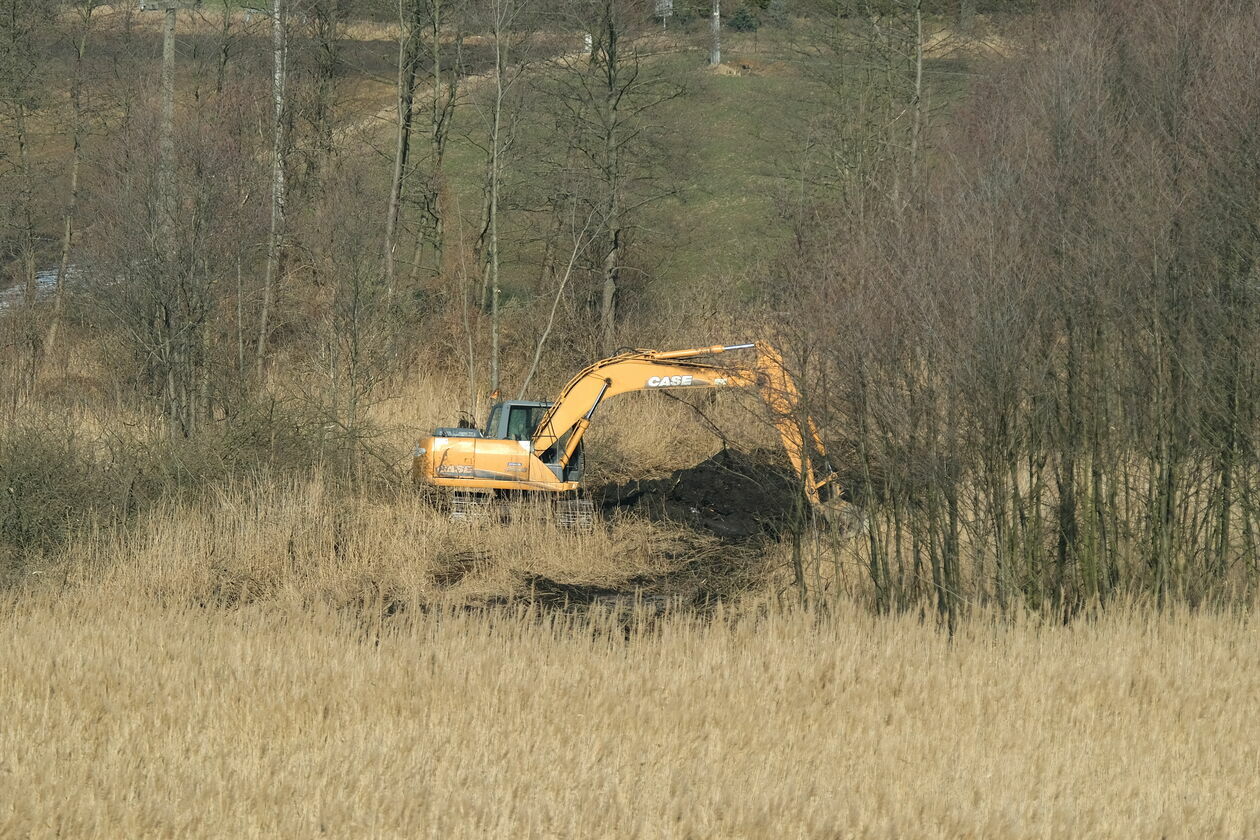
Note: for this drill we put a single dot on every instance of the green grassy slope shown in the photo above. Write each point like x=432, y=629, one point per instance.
x=725, y=141
x=730, y=141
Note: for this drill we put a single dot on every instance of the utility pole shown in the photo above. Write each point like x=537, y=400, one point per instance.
x=715, y=52
x=664, y=10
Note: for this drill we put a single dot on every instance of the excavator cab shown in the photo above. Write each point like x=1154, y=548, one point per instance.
x=518, y=420
x=514, y=420
x=498, y=458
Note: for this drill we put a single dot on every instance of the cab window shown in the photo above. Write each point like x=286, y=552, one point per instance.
x=492, y=424
x=522, y=419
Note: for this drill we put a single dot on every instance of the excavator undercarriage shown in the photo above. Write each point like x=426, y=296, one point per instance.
x=570, y=511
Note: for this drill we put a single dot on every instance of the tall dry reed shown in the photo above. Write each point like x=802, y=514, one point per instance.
x=128, y=718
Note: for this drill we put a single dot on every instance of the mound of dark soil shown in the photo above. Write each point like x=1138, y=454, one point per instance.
x=733, y=495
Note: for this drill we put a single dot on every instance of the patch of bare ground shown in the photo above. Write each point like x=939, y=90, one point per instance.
x=741, y=66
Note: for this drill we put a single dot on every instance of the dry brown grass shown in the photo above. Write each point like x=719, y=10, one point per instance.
x=295, y=542
x=282, y=659
x=125, y=717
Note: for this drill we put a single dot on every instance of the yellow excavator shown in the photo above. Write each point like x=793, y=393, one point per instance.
x=536, y=448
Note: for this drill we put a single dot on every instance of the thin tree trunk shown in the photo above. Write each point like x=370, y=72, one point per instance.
x=470, y=348
x=27, y=248
x=225, y=49
x=436, y=137
x=612, y=267
x=166, y=214
x=166, y=142
x=443, y=108
x=917, y=105
x=240, y=318
x=493, y=209
x=326, y=67
x=481, y=248
x=579, y=242
x=612, y=174
x=76, y=157
x=275, y=242
x=408, y=61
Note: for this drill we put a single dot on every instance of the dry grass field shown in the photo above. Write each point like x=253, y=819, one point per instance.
x=132, y=711
x=281, y=659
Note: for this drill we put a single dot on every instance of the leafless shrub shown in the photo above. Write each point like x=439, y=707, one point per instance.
x=1046, y=371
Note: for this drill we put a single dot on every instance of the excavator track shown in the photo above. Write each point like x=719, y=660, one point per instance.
x=471, y=507
x=570, y=514
x=575, y=514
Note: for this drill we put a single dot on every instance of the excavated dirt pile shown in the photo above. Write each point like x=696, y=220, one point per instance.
x=733, y=495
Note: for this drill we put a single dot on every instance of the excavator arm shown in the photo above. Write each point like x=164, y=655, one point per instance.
x=558, y=435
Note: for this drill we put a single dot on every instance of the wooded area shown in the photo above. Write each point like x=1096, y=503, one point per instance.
x=1011, y=249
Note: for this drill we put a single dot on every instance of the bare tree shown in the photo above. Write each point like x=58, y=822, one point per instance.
x=432, y=30
x=352, y=345
x=279, y=154
x=580, y=241
x=22, y=24
x=327, y=20
x=606, y=149
x=1046, y=372
x=511, y=61
x=446, y=73
x=83, y=13
x=228, y=36
x=410, y=54
x=863, y=125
